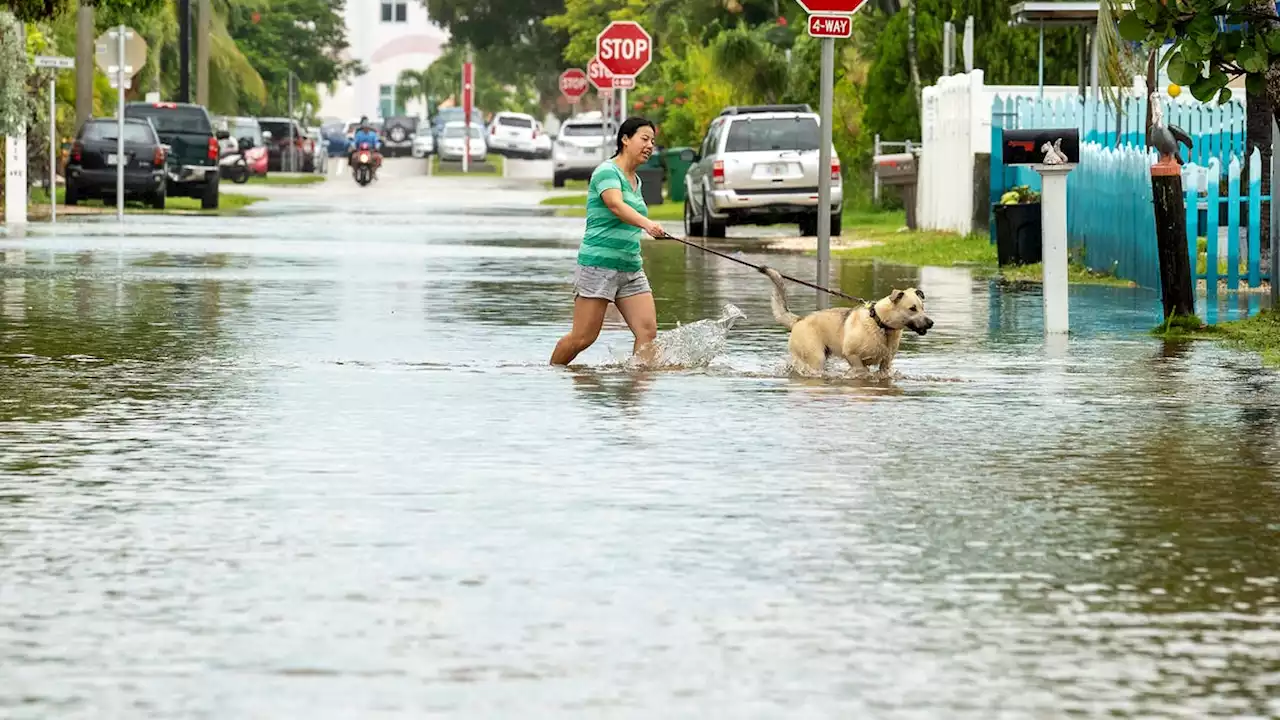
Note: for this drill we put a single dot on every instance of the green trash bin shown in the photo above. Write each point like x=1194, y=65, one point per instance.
x=677, y=160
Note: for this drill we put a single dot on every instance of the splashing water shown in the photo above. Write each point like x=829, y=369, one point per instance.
x=687, y=346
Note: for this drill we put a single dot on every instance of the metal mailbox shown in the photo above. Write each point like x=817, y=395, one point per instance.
x=1041, y=146
x=896, y=168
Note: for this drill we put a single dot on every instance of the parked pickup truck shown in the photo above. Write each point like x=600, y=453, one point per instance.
x=193, y=147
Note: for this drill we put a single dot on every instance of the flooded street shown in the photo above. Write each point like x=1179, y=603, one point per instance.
x=311, y=462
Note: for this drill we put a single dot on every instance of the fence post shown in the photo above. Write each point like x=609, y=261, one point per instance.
x=875, y=176
x=1233, y=225
x=1255, y=215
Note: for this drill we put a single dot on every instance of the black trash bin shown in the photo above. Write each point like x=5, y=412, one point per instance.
x=650, y=184
x=1018, y=234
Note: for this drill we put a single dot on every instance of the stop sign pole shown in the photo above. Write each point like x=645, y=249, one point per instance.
x=828, y=19
x=468, y=90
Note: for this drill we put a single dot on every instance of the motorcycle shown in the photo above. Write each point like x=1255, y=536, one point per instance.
x=232, y=164
x=362, y=166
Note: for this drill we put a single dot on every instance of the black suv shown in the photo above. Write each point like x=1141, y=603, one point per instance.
x=193, y=147
x=397, y=135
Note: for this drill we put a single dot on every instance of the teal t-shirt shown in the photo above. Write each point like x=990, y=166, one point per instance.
x=608, y=241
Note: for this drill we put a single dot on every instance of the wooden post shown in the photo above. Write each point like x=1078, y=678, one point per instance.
x=1176, y=291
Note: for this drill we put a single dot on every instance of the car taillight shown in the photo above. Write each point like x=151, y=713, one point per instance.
x=158, y=159
x=717, y=172
x=213, y=148
x=76, y=150
x=835, y=169
x=535, y=133
x=493, y=129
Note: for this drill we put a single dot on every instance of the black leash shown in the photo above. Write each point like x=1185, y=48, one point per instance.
x=761, y=268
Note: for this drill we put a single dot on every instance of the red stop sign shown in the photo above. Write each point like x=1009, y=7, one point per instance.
x=599, y=75
x=624, y=48
x=573, y=83
x=835, y=7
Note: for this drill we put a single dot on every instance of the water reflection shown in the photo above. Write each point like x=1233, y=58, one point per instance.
x=358, y=451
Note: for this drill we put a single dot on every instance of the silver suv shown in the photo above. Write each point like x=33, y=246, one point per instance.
x=580, y=146
x=758, y=165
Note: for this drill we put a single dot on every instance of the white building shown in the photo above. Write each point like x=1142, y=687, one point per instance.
x=387, y=36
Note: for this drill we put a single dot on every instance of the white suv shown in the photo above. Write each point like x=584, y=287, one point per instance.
x=579, y=148
x=759, y=165
x=513, y=134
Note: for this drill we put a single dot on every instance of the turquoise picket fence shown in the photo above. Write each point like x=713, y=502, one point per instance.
x=1111, y=218
x=1111, y=224
x=1241, y=238
x=1217, y=131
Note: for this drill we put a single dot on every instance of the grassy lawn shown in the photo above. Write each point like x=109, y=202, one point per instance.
x=228, y=204
x=894, y=244
x=274, y=179
x=1260, y=333
x=575, y=206
x=494, y=160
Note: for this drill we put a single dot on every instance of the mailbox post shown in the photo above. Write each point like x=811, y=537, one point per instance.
x=900, y=169
x=1054, y=153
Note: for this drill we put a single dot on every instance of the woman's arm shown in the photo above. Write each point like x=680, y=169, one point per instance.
x=613, y=200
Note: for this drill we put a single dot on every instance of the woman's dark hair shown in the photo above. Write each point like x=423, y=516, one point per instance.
x=630, y=127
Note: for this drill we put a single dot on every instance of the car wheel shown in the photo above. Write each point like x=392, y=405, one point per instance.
x=557, y=180
x=209, y=196
x=835, y=224
x=711, y=227
x=71, y=195
x=157, y=199
x=692, y=227
x=808, y=225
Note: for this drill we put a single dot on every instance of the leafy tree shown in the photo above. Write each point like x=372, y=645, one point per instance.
x=36, y=10
x=277, y=36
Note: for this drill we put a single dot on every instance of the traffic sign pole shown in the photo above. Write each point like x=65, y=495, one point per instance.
x=824, y=170
x=53, y=62
x=120, y=124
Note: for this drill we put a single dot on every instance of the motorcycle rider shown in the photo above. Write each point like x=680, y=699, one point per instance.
x=364, y=134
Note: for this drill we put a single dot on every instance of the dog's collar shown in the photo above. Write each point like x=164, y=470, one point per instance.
x=874, y=316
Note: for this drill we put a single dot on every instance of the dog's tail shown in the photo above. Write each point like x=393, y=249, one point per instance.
x=779, y=299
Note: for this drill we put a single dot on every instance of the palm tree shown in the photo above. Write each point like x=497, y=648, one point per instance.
x=415, y=85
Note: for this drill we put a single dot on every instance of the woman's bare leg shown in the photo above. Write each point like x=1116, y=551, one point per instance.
x=642, y=317
x=588, y=317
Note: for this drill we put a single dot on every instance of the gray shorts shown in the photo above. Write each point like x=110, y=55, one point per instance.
x=597, y=282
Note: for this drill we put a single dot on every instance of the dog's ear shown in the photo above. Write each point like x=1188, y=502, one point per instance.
x=898, y=295
x=920, y=293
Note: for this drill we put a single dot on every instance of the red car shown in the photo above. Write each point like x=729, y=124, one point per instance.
x=244, y=129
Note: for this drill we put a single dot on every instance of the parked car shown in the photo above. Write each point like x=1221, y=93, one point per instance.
x=279, y=149
x=542, y=143
x=246, y=137
x=423, y=145
x=759, y=165
x=447, y=115
x=397, y=135
x=335, y=135
x=578, y=149
x=91, y=170
x=319, y=156
x=513, y=134
x=452, y=146
x=192, y=158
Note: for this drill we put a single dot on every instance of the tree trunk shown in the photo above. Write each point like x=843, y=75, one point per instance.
x=1176, y=291
x=913, y=61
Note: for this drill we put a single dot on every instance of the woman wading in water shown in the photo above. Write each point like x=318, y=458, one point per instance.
x=609, y=266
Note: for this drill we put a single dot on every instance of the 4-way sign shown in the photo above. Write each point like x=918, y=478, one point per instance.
x=573, y=83
x=830, y=26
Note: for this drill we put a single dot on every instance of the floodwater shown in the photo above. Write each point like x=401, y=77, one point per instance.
x=311, y=463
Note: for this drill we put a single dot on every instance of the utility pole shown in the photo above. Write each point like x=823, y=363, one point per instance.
x=84, y=63
x=184, y=51
x=202, y=54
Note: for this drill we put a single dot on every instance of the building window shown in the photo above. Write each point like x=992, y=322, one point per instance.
x=395, y=11
x=385, y=109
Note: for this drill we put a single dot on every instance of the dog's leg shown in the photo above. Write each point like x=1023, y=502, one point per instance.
x=808, y=355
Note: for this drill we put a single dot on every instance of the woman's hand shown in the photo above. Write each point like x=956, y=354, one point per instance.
x=655, y=230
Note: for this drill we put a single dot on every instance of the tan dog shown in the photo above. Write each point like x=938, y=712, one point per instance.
x=868, y=335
